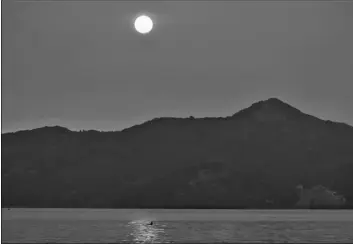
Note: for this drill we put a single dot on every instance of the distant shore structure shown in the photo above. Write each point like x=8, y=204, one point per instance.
x=319, y=196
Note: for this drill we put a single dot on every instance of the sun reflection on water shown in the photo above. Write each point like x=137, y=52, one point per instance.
x=142, y=232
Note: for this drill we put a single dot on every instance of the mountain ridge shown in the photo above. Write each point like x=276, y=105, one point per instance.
x=254, y=158
x=273, y=101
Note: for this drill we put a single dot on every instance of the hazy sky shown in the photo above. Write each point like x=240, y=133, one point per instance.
x=80, y=64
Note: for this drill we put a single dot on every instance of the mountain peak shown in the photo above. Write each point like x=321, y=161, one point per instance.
x=272, y=109
x=274, y=100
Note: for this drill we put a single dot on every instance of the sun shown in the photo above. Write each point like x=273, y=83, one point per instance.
x=143, y=24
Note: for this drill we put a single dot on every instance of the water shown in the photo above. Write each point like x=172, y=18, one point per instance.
x=123, y=225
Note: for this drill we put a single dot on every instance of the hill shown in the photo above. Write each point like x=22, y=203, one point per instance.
x=253, y=159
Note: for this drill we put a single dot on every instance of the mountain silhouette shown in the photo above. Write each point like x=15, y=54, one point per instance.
x=254, y=158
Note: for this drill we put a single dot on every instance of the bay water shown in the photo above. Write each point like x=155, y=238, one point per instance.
x=175, y=226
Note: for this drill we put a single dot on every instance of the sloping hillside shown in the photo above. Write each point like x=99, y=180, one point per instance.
x=254, y=158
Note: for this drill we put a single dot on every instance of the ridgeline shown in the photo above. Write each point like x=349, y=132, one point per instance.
x=253, y=159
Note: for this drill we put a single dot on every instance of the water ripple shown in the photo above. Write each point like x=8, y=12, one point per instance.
x=100, y=230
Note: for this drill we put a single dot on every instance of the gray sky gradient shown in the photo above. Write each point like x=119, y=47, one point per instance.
x=81, y=65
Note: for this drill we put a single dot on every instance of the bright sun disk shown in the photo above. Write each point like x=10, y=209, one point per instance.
x=143, y=24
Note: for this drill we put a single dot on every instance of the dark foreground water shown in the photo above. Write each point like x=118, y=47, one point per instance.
x=102, y=226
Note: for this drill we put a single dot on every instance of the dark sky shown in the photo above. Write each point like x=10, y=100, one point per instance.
x=80, y=64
